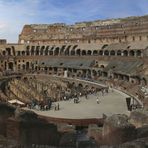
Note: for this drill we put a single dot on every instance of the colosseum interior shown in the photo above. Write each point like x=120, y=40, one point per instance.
x=56, y=63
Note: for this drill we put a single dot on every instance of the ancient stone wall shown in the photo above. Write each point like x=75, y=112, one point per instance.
x=101, y=31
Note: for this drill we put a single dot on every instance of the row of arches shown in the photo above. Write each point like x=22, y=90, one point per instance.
x=70, y=50
x=10, y=51
x=88, y=74
x=79, y=52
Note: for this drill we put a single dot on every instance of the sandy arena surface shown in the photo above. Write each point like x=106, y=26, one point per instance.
x=111, y=103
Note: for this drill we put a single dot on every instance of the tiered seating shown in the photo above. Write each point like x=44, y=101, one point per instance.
x=23, y=91
x=19, y=92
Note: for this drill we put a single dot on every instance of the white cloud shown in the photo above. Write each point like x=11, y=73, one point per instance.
x=2, y=25
x=16, y=13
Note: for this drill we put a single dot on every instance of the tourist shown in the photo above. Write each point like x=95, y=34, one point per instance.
x=98, y=100
x=55, y=107
x=58, y=106
x=86, y=96
x=65, y=98
x=102, y=92
x=80, y=94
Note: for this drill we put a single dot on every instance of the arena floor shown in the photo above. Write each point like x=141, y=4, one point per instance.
x=111, y=103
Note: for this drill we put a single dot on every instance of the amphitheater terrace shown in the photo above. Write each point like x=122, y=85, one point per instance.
x=78, y=75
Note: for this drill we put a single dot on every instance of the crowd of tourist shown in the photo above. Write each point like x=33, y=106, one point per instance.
x=75, y=95
x=40, y=105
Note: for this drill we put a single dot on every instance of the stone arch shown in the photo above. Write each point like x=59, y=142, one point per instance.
x=27, y=65
x=106, y=52
x=119, y=53
x=51, y=50
x=10, y=66
x=67, y=50
x=23, y=67
x=131, y=52
x=23, y=53
x=18, y=53
x=112, y=52
x=101, y=52
x=104, y=46
x=56, y=51
x=78, y=52
x=72, y=52
x=46, y=50
x=125, y=53
x=42, y=50
x=89, y=52
x=32, y=50
x=62, y=50
x=37, y=50
x=83, y=52
x=138, y=53
x=75, y=46
x=95, y=52
x=27, y=50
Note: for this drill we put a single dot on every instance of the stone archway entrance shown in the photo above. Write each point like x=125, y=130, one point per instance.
x=10, y=66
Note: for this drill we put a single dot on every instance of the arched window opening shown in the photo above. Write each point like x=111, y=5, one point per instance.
x=119, y=53
x=67, y=50
x=106, y=52
x=27, y=52
x=139, y=53
x=78, y=52
x=62, y=50
x=83, y=52
x=72, y=52
x=131, y=53
x=37, y=50
x=32, y=50
x=10, y=65
x=125, y=53
x=50, y=52
x=46, y=50
x=42, y=50
x=101, y=52
x=23, y=53
x=95, y=52
x=56, y=51
x=89, y=52
x=112, y=53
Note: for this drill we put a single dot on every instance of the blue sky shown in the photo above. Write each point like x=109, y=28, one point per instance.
x=15, y=13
